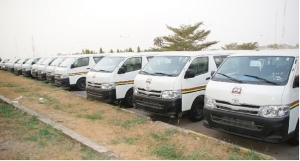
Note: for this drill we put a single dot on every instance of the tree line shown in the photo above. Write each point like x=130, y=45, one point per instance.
x=190, y=38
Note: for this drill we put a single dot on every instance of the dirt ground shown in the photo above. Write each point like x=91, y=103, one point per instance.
x=126, y=134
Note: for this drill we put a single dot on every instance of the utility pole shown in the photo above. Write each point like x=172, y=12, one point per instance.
x=33, y=47
x=283, y=27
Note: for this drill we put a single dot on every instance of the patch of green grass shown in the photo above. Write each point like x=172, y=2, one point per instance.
x=32, y=137
x=129, y=123
x=20, y=90
x=163, y=136
x=233, y=157
x=91, y=155
x=253, y=155
x=96, y=116
x=170, y=152
x=115, y=142
x=31, y=122
x=128, y=140
x=10, y=85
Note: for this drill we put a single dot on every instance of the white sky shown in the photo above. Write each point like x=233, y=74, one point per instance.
x=68, y=26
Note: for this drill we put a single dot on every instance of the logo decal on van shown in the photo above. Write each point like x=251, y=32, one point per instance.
x=148, y=81
x=237, y=90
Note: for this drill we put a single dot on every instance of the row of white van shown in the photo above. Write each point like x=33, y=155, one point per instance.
x=254, y=94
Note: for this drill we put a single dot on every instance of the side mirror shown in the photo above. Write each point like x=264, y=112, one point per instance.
x=32, y=63
x=121, y=70
x=212, y=73
x=72, y=66
x=189, y=74
x=296, y=82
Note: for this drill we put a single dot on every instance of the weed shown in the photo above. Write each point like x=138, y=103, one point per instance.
x=10, y=85
x=129, y=123
x=236, y=149
x=158, y=137
x=128, y=140
x=253, y=155
x=20, y=90
x=96, y=116
x=171, y=131
x=233, y=157
x=32, y=138
x=170, y=152
x=115, y=142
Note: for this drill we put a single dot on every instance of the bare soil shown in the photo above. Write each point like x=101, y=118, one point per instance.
x=128, y=135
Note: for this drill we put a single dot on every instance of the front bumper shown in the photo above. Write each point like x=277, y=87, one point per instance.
x=62, y=82
x=159, y=106
x=273, y=130
x=10, y=69
x=18, y=72
x=26, y=73
x=41, y=76
x=34, y=74
x=104, y=95
x=50, y=78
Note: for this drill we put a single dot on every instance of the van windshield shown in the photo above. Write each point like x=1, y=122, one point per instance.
x=67, y=62
x=56, y=61
x=20, y=61
x=40, y=61
x=165, y=66
x=29, y=61
x=47, y=61
x=107, y=64
x=266, y=70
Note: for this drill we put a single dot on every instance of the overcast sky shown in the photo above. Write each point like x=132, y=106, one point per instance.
x=68, y=26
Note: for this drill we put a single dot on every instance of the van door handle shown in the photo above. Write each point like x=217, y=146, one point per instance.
x=87, y=68
x=208, y=78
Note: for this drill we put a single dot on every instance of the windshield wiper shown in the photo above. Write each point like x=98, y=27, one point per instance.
x=143, y=72
x=230, y=78
x=163, y=74
x=262, y=79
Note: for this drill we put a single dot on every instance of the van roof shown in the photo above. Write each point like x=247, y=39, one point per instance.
x=130, y=54
x=82, y=55
x=199, y=53
x=282, y=52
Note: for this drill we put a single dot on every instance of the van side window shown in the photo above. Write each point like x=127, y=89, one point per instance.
x=81, y=62
x=296, y=79
x=97, y=59
x=133, y=64
x=199, y=65
x=219, y=60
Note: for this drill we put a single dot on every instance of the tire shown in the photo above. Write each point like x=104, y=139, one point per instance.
x=128, y=100
x=81, y=84
x=196, y=112
x=295, y=139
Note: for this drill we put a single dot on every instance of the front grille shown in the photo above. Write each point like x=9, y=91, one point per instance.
x=151, y=104
x=149, y=93
x=57, y=76
x=239, y=108
x=237, y=122
x=93, y=85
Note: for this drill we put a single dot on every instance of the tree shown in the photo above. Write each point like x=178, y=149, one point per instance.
x=83, y=52
x=101, y=51
x=186, y=38
x=118, y=50
x=111, y=51
x=130, y=50
x=158, y=41
x=138, y=49
x=244, y=46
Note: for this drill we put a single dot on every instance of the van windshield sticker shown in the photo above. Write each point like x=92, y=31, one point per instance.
x=255, y=63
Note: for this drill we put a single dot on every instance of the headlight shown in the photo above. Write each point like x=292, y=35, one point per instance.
x=209, y=102
x=108, y=85
x=42, y=72
x=171, y=94
x=274, y=111
x=135, y=90
x=52, y=73
x=64, y=76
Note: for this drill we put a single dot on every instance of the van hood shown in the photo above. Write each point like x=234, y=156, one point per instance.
x=34, y=66
x=26, y=66
x=60, y=70
x=154, y=82
x=41, y=67
x=97, y=77
x=50, y=68
x=251, y=94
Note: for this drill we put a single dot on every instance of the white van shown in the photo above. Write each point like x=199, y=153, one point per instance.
x=34, y=67
x=72, y=71
x=173, y=83
x=112, y=78
x=42, y=68
x=26, y=68
x=256, y=95
x=51, y=68
x=18, y=66
x=2, y=63
x=9, y=66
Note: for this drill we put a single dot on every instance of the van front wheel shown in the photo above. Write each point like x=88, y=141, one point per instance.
x=128, y=100
x=81, y=84
x=295, y=139
x=196, y=112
